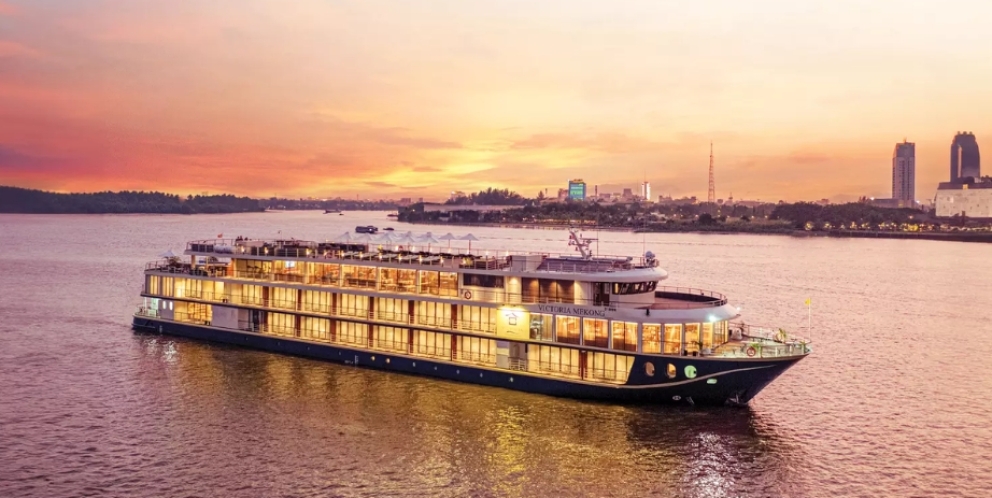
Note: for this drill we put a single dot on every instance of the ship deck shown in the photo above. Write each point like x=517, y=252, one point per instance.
x=417, y=254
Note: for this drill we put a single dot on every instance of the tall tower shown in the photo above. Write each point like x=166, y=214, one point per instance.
x=904, y=173
x=965, y=158
x=711, y=194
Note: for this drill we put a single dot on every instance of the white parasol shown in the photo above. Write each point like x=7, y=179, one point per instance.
x=449, y=237
x=469, y=238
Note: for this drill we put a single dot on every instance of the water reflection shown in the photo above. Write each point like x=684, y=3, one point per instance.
x=412, y=431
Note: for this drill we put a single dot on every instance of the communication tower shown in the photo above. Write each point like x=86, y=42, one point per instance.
x=711, y=194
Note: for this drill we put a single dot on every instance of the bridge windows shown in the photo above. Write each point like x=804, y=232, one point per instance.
x=621, y=288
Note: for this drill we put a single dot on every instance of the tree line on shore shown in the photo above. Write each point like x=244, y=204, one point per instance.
x=20, y=200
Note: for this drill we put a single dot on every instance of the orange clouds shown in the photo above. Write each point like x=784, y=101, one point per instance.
x=386, y=98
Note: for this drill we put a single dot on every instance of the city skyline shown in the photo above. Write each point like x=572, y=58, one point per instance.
x=397, y=99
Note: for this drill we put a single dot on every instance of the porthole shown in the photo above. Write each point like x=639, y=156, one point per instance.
x=387, y=360
x=711, y=381
x=414, y=364
x=671, y=371
x=690, y=372
x=649, y=369
x=458, y=372
x=511, y=379
x=480, y=375
x=373, y=358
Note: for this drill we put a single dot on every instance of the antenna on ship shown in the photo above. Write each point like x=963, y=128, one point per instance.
x=581, y=243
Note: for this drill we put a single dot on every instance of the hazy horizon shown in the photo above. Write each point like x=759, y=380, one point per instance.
x=326, y=99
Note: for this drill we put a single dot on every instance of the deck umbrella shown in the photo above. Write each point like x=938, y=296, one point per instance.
x=344, y=238
x=469, y=238
x=428, y=239
x=168, y=254
x=449, y=237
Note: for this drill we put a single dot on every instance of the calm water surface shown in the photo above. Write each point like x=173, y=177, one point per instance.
x=894, y=402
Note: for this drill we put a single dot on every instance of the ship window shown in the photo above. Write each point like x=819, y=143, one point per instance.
x=359, y=276
x=406, y=280
x=325, y=274
x=634, y=287
x=477, y=318
x=352, y=305
x=692, y=337
x=541, y=326
x=672, y=371
x=649, y=369
x=567, y=329
x=434, y=314
x=430, y=282
x=316, y=301
x=609, y=367
x=673, y=338
x=449, y=284
x=391, y=310
x=720, y=332
x=390, y=338
x=553, y=360
x=594, y=333
x=282, y=298
x=433, y=344
x=353, y=333
x=388, y=280
x=251, y=294
x=476, y=350
x=624, y=336
x=315, y=328
x=476, y=280
x=707, y=335
x=651, y=339
x=282, y=324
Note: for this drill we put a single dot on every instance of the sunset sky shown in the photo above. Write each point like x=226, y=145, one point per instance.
x=803, y=99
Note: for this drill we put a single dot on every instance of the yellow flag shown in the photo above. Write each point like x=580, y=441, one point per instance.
x=807, y=301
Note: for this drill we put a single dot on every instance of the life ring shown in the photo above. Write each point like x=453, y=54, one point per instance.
x=467, y=294
x=751, y=351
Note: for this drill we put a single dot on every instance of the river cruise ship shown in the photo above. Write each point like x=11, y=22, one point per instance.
x=573, y=325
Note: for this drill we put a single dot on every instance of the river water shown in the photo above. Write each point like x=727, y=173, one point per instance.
x=895, y=401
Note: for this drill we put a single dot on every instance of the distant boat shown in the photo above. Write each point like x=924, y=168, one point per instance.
x=340, y=214
x=388, y=229
x=332, y=211
x=393, y=215
x=366, y=229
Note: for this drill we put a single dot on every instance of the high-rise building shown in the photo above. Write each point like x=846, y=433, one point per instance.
x=646, y=191
x=904, y=173
x=577, y=190
x=965, y=159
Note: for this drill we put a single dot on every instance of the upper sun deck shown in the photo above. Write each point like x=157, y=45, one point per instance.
x=390, y=253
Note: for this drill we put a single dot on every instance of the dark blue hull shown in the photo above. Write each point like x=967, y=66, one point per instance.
x=716, y=381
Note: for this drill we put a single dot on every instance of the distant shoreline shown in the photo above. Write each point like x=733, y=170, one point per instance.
x=985, y=237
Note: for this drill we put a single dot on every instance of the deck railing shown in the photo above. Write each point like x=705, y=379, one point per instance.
x=439, y=255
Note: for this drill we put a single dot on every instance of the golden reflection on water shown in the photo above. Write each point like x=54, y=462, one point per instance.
x=431, y=434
